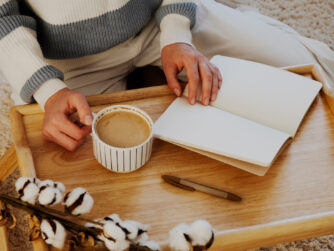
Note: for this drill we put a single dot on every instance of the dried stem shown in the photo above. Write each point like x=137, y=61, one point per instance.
x=65, y=214
x=48, y=213
x=57, y=212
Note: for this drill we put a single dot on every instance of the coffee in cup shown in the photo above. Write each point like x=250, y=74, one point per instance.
x=123, y=129
x=122, y=137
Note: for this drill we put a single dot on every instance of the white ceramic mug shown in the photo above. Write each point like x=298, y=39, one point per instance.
x=118, y=159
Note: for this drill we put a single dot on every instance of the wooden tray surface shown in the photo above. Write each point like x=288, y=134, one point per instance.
x=299, y=186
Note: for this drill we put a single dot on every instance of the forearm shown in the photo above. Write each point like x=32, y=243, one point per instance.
x=175, y=19
x=22, y=61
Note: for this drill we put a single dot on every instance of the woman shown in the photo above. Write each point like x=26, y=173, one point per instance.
x=58, y=51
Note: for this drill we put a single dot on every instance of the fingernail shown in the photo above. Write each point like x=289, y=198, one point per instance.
x=177, y=91
x=88, y=120
x=213, y=97
x=206, y=101
x=192, y=101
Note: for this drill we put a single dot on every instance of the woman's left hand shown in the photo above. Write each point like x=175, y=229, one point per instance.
x=199, y=70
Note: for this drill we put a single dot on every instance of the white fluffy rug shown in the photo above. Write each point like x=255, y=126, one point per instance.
x=5, y=104
x=312, y=18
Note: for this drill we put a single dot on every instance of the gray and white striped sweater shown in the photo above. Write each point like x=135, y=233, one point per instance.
x=33, y=31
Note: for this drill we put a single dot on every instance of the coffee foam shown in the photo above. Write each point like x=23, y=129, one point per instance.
x=123, y=128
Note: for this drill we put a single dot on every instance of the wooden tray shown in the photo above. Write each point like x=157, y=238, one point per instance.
x=295, y=200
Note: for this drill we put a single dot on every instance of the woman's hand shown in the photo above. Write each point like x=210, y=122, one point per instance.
x=199, y=70
x=57, y=126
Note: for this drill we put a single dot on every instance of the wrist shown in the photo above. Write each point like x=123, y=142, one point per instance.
x=53, y=99
x=175, y=29
x=47, y=90
x=169, y=46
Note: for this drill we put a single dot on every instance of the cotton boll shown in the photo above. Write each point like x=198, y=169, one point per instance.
x=112, y=230
x=142, y=238
x=130, y=229
x=151, y=245
x=60, y=186
x=53, y=233
x=27, y=189
x=47, y=183
x=113, y=217
x=133, y=229
x=20, y=182
x=119, y=245
x=47, y=232
x=49, y=196
x=78, y=201
x=98, y=228
x=50, y=183
x=179, y=238
x=60, y=236
x=115, y=238
x=30, y=193
x=36, y=181
x=201, y=233
x=85, y=207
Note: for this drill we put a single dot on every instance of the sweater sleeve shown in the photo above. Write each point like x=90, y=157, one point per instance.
x=175, y=19
x=22, y=62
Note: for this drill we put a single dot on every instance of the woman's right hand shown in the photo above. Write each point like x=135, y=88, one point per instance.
x=57, y=126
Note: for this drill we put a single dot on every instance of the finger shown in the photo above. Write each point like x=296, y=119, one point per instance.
x=220, y=78
x=85, y=114
x=193, y=80
x=171, y=76
x=66, y=126
x=206, y=77
x=64, y=140
x=215, y=84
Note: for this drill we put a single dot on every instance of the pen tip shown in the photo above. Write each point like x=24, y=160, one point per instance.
x=234, y=197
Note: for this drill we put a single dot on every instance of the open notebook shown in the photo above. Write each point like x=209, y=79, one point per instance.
x=257, y=111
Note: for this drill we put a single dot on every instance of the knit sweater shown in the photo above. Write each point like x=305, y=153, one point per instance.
x=33, y=31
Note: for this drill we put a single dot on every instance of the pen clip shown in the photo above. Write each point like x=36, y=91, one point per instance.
x=175, y=183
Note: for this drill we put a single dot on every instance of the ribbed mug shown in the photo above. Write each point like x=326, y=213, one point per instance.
x=118, y=159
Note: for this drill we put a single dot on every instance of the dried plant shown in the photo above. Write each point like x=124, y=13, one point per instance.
x=57, y=227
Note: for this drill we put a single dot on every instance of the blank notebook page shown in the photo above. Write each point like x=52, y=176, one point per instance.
x=211, y=129
x=264, y=94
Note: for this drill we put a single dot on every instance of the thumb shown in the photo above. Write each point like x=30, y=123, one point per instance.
x=83, y=109
x=173, y=82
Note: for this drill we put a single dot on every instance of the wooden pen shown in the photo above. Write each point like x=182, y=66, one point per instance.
x=193, y=186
